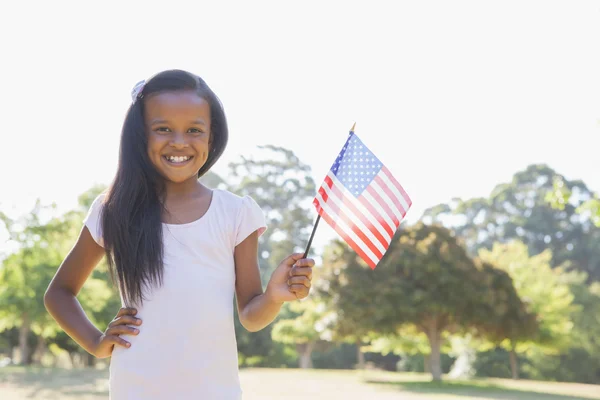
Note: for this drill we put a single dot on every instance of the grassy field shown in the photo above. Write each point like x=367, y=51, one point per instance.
x=270, y=384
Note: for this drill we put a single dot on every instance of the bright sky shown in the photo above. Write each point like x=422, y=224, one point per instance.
x=453, y=97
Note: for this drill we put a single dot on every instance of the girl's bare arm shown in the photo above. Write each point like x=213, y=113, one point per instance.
x=61, y=296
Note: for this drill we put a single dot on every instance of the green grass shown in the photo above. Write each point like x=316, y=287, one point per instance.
x=269, y=384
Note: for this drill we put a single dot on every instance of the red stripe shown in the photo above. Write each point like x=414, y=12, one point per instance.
x=383, y=205
x=390, y=194
x=341, y=214
x=343, y=234
x=348, y=204
x=366, y=204
x=397, y=184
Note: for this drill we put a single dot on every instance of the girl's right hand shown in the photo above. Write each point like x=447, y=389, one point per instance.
x=118, y=326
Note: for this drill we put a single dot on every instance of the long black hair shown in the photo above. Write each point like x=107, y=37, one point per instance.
x=133, y=205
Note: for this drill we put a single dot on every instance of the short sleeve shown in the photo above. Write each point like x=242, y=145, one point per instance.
x=93, y=219
x=250, y=218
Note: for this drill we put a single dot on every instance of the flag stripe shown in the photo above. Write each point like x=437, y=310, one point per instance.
x=393, y=206
x=372, y=262
x=398, y=186
x=391, y=195
x=375, y=241
x=334, y=211
x=375, y=226
x=378, y=200
x=370, y=212
x=370, y=204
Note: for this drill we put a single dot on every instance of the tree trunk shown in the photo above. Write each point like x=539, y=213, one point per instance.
x=305, y=351
x=23, y=335
x=514, y=367
x=427, y=363
x=73, y=357
x=89, y=360
x=360, y=356
x=433, y=334
x=40, y=350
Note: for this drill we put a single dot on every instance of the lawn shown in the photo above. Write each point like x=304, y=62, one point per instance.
x=269, y=384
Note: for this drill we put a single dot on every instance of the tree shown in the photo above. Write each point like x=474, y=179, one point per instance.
x=546, y=293
x=425, y=279
x=42, y=246
x=520, y=210
x=304, y=329
x=510, y=319
x=581, y=362
x=564, y=194
x=346, y=325
x=26, y=274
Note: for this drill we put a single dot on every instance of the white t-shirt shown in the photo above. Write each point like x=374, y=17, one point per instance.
x=186, y=348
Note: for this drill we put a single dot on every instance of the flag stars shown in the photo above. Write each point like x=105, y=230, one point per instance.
x=356, y=166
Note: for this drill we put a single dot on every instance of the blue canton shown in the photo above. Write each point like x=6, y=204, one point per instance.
x=356, y=167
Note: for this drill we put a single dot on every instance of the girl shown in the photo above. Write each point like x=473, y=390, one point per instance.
x=178, y=251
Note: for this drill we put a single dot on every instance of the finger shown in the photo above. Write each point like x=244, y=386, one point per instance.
x=301, y=271
x=122, y=330
x=125, y=320
x=301, y=291
x=305, y=262
x=299, y=280
x=116, y=340
x=126, y=311
x=292, y=258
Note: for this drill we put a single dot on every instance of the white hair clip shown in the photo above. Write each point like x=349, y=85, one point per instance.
x=137, y=91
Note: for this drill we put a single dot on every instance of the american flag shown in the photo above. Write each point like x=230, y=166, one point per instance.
x=362, y=201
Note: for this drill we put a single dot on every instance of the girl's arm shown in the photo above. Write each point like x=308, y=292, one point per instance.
x=61, y=296
x=290, y=281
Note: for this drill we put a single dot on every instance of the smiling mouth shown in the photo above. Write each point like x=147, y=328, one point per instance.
x=178, y=160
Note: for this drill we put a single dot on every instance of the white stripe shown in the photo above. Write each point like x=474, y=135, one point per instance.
x=394, y=190
x=332, y=198
x=379, y=209
x=350, y=197
x=386, y=199
x=339, y=222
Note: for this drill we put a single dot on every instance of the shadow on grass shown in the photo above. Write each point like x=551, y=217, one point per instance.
x=468, y=389
x=68, y=383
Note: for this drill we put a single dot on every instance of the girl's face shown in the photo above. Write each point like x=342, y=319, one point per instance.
x=179, y=134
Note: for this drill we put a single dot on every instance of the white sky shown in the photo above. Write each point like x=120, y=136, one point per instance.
x=454, y=97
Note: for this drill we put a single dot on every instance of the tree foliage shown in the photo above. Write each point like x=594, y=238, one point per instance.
x=426, y=280
x=520, y=210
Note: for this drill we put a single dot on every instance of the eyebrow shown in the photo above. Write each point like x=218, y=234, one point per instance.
x=164, y=121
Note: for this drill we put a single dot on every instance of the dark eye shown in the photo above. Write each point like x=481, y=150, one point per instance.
x=195, y=131
x=163, y=129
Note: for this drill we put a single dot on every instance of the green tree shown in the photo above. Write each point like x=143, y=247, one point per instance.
x=304, y=328
x=581, y=362
x=546, y=293
x=426, y=279
x=26, y=273
x=564, y=194
x=520, y=210
x=346, y=325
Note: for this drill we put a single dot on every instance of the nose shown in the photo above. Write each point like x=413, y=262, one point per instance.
x=178, y=141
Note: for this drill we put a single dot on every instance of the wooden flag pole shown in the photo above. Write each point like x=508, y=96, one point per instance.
x=317, y=221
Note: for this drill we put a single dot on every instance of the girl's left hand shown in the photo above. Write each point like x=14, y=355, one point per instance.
x=291, y=280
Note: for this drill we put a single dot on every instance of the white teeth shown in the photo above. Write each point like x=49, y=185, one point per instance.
x=178, y=159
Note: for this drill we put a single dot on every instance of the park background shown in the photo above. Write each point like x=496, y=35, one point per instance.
x=488, y=113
